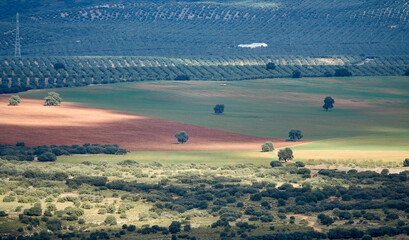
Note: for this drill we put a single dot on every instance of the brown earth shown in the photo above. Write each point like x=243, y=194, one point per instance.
x=35, y=124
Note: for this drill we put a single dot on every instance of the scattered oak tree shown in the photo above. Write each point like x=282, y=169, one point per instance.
x=328, y=103
x=406, y=162
x=285, y=154
x=267, y=147
x=53, y=99
x=295, y=135
x=270, y=66
x=182, y=137
x=218, y=109
x=14, y=100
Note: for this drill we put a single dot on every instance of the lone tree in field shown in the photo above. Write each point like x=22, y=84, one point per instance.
x=218, y=109
x=296, y=74
x=53, y=99
x=295, y=135
x=328, y=103
x=270, y=66
x=14, y=100
x=267, y=147
x=285, y=154
x=182, y=137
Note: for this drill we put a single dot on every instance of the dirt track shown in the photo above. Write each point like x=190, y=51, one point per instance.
x=35, y=124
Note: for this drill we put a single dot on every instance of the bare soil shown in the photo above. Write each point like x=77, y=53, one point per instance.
x=35, y=124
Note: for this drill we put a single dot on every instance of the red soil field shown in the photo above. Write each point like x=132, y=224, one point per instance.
x=35, y=124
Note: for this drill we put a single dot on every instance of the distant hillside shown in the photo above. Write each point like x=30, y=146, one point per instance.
x=184, y=28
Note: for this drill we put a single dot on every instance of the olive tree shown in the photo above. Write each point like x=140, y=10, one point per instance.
x=182, y=137
x=14, y=100
x=53, y=99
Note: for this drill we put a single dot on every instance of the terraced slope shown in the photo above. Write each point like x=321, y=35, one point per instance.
x=180, y=28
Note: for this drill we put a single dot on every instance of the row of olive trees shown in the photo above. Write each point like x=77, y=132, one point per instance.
x=52, y=99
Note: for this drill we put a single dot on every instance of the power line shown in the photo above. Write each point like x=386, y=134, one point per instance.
x=17, y=49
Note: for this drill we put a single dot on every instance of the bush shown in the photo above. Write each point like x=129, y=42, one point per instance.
x=182, y=78
x=174, y=227
x=342, y=72
x=276, y=164
x=110, y=220
x=58, y=66
x=300, y=164
x=54, y=224
x=9, y=199
x=14, y=100
x=270, y=66
x=218, y=109
x=47, y=157
x=406, y=162
x=296, y=74
x=267, y=147
x=53, y=99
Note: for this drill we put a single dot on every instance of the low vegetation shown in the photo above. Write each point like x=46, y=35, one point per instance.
x=199, y=201
x=44, y=153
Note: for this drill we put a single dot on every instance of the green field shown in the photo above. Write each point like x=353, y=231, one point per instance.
x=373, y=110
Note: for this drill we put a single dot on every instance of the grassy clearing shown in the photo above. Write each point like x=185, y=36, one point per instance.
x=371, y=107
x=213, y=158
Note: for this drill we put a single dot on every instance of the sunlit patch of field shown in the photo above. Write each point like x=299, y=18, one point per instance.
x=214, y=158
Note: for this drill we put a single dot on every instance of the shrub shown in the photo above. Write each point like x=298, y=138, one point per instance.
x=14, y=100
x=47, y=157
x=267, y=147
x=110, y=220
x=342, y=72
x=296, y=74
x=182, y=77
x=300, y=164
x=174, y=227
x=276, y=164
x=53, y=99
x=9, y=199
x=270, y=66
x=406, y=162
x=54, y=224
